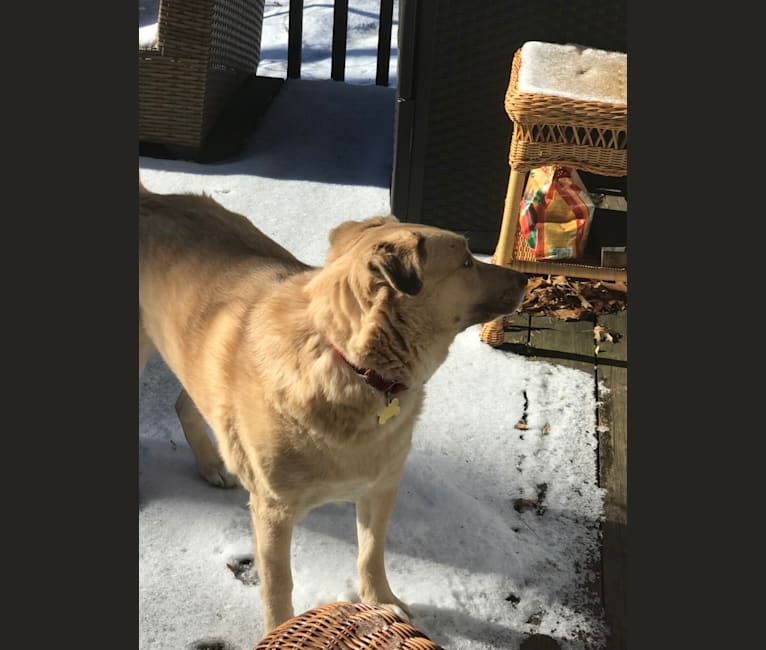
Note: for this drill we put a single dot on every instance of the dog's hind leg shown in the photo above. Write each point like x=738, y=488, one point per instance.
x=209, y=462
x=145, y=347
x=373, y=510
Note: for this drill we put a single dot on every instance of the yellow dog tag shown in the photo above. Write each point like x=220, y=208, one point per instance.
x=387, y=412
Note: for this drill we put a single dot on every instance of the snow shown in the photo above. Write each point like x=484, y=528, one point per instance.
x=148, y=11
x=574, y=71
x=476, y=573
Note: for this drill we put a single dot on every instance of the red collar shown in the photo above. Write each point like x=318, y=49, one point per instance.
x=387, y=386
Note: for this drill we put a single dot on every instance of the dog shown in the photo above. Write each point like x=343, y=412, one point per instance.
x=311, y=379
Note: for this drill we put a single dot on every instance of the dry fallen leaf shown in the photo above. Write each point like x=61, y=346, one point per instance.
x=546, y=429
x=521, y=425
x=601, y=333
x=567, y=313
x=616, y=286
x=535, y=282
x=571, y=298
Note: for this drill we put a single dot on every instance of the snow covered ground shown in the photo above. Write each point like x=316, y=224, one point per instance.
x=478, y=573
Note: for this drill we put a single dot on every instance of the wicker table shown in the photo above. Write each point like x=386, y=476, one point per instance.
x=555, y=128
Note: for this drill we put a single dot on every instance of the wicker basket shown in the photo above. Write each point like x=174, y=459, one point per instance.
x=346, y=626
x=204, y=50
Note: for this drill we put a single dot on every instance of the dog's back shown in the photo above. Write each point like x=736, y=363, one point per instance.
x=194, y=224
x=195, y=257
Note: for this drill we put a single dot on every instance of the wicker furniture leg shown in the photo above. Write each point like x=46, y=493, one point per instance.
x=492, y=332
x=504, y=250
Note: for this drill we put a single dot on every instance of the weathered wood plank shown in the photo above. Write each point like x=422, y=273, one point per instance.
x=517, y=334
x=612, y=372
x=615, y=353
x=569, y=343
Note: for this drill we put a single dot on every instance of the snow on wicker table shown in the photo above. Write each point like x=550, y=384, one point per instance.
x=573, y=71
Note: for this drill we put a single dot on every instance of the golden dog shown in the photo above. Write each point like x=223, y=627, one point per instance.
x=310, y=378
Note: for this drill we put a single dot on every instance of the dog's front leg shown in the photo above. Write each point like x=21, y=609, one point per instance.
x=372, y=514
x=272, y=536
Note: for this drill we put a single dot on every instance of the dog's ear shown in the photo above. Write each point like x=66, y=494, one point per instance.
x=345, y=234
x=401, y=263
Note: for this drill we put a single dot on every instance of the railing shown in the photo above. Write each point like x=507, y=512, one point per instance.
x=339, y=34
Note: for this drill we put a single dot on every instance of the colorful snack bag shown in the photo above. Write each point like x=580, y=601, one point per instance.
x=556, y=212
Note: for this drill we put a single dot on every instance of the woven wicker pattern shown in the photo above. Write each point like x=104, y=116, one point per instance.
x=205, y=49
x=346, y=626
x=549, y=129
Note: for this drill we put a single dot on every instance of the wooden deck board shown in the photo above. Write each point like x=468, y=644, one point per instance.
x=517, y=334
x=572, y=344
x=611, y=371
x=567, y=343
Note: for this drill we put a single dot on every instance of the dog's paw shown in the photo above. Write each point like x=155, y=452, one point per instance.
x=217, y=475
x=392, y=604
x=398, y=608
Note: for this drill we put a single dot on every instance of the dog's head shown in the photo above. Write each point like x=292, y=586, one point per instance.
x=429, y=273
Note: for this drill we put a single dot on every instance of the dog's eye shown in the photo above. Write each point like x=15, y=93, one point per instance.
x=468, y=263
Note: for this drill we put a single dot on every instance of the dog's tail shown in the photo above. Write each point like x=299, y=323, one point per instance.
x=141, y=188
